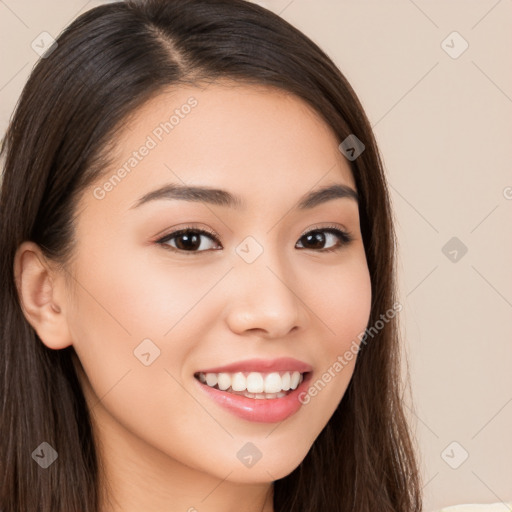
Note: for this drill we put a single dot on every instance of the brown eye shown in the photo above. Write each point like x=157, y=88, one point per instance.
x=316, y=239
x=187, y=240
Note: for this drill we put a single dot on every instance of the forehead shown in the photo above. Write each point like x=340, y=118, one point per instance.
x=244, y=138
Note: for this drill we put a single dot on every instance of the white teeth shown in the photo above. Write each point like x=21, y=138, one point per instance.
x=285, y=380
x=239, y=382
x=224, y=381
x=273, y=383
x=211, y=379
x=254, y=384
x=294, y=382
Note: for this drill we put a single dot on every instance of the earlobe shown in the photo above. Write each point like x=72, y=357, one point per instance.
x=40, y=292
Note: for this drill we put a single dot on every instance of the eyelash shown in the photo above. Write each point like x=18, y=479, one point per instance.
x=344, y=236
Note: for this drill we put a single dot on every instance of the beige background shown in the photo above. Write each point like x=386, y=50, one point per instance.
x=444, y=128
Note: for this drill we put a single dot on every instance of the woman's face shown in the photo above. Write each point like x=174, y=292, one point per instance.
x=149, y=311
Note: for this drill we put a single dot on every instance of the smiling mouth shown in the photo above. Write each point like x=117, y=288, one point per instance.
x=257, y=385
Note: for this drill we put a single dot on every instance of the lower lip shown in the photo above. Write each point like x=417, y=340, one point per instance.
x=264, y=410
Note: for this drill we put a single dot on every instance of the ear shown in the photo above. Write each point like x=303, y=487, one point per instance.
x=41, y=292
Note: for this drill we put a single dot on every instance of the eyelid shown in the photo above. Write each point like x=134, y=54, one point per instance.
x=322, y=227
x=187, y=227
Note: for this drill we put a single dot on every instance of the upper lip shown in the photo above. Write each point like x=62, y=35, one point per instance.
x=262, y=366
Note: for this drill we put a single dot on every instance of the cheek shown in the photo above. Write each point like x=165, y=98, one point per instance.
x=351, y=311
x=121, y=304
x=130, y=297
x=343, y=303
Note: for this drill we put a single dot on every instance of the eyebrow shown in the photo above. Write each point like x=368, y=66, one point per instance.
x=224, y=198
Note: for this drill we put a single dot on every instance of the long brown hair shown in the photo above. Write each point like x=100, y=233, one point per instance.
x=105, y=65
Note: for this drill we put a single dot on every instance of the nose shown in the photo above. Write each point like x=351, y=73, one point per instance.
x=264, y=299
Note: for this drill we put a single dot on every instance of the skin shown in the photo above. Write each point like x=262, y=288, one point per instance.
x=164, y=445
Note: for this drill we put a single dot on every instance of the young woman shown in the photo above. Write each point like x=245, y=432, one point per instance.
x=198, y=294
